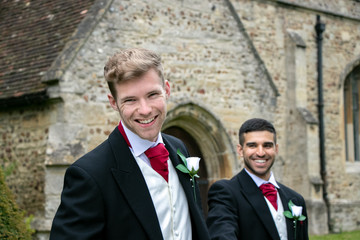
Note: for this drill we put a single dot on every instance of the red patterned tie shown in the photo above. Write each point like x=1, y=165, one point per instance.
x=270, y=193
x=158, y=157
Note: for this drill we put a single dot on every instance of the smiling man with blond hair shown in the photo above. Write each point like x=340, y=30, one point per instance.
x=128, y=187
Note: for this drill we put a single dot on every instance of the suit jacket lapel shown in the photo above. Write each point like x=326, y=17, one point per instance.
x=183, y=178
x=255, y=198
x=198, y=225
x=133, y=186
x=285, y=198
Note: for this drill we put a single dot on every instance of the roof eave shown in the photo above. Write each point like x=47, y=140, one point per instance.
x=24, y=100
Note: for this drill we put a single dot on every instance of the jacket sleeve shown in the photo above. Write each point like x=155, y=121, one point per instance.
x=222, y=220
x=80, y=214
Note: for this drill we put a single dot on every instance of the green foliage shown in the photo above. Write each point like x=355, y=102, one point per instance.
x=338, y=236
x=8, y=170
x=12, y=224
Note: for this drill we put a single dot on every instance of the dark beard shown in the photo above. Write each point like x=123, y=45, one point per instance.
x=247, y=165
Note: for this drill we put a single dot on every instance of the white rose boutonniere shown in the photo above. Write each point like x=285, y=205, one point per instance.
x=295, y=214
x=190, y=166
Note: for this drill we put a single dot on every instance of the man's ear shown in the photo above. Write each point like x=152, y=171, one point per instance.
x=112, y=102
x=239, y=150
x=167, y=89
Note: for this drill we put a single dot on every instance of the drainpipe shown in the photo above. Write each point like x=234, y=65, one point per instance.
x=320, y=28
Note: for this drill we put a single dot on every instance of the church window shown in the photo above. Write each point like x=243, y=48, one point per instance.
x=351, y=107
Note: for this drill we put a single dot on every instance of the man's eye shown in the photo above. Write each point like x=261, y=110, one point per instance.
x=129, y=100
x=153, y=94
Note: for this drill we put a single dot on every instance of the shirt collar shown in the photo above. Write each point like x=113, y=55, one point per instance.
x=138, y=144
x=258, y=181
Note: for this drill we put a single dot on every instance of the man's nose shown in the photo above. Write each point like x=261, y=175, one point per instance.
x=144, y=107
x=260, y=151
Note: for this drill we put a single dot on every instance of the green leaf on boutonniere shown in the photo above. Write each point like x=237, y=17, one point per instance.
x=288, y=214
x=290, y=204
x=183, y=158
x=302, y=218
x=182, y=168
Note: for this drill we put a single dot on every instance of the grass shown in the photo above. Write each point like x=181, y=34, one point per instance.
x=355, y=235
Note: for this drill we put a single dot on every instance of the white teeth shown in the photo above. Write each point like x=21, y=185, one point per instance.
x=146, y=121
x=260, y=161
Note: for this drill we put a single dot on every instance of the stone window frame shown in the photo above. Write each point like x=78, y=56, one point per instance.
x=351, y=67
x=351, y=91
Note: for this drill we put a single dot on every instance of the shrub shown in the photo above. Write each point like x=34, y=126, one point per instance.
x=12, y=224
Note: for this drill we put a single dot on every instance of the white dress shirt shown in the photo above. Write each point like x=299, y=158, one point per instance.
x=278, y=215
x=169, y=198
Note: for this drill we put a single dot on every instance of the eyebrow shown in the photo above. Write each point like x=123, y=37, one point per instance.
x=250, y=143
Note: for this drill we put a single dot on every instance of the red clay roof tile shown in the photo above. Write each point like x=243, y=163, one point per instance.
x=33, y=33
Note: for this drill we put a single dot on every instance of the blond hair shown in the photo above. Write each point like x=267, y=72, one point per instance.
x=129, y=64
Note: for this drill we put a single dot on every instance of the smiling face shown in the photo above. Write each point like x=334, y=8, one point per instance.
x=141, y=103
x=259, y=151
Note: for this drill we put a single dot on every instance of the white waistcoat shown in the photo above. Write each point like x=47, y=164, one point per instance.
x=278, y=217
x=170, y=202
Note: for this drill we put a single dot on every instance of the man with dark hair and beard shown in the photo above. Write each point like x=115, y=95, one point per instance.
x=252, y=205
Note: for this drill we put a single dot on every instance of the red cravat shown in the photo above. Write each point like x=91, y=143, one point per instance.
x=270, y=193
x=157, y=155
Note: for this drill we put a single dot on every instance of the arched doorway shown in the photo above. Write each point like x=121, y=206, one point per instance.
x=205, y=137
x=194, y=150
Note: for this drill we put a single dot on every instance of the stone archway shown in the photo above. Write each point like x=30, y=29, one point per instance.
x=205, y=137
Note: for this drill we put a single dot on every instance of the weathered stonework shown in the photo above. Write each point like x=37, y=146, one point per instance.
x=24, y=136
x=267, y=23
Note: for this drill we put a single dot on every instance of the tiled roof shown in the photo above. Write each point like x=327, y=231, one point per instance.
x=32, y=35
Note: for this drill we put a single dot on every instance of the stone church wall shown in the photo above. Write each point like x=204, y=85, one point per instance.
x=268, y=24
x=24, y=136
